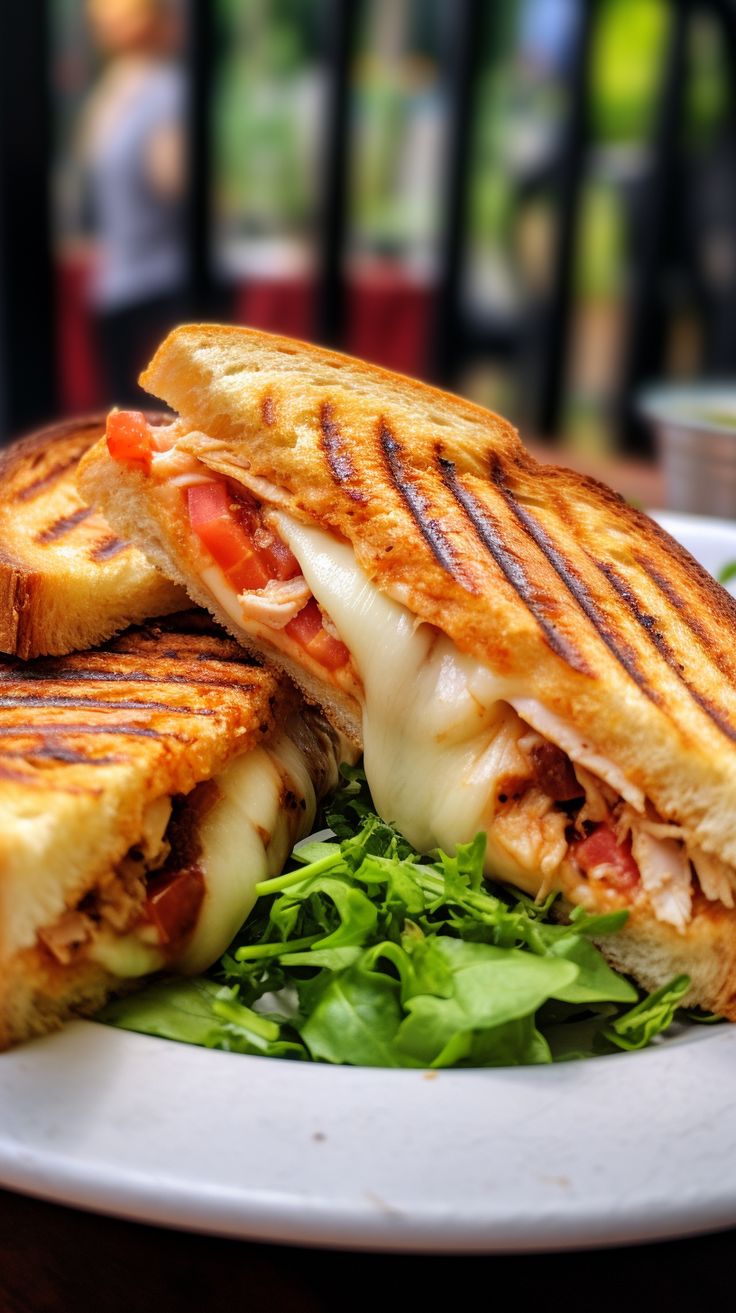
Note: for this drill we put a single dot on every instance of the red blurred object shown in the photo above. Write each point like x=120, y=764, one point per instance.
x=277, y=305
x=389, y=319
x=80, y=375
x=389, y=312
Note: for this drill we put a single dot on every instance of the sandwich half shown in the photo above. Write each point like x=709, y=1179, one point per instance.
x=66, y=580
x=144, y=789
x=517, y=650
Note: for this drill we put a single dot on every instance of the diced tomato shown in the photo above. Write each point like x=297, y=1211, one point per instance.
x=174, y=902
x=250, y=555
x=207, y=502
x=602, y=848
x=306, y=624
x=329, y=651
x=278, y=558
x=227, y=540
x=129, y=439
x=308, y=630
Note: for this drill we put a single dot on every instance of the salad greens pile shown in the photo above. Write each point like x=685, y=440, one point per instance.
x=370, y=954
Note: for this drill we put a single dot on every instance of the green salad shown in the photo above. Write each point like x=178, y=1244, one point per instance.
x=370, y=954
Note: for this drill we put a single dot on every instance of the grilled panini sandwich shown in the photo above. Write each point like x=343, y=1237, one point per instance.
x=66, y=580
x=517, y=649
x=144, y=789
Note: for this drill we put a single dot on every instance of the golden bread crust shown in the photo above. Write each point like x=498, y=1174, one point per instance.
x=66, y=581
x=38, y=994
x=653, y=952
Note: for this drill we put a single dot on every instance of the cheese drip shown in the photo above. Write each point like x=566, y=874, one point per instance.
x=245, y=836
x=437, y=725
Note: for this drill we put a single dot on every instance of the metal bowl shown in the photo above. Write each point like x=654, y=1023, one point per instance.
x=695, y=431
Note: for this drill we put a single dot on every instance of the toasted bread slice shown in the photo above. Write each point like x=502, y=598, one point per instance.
x=94, y=750
x=66, y=581
x=603, y=636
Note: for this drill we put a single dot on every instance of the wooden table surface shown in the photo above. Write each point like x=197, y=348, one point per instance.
x=60, y=1260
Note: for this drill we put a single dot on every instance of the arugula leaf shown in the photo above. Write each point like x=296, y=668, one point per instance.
x=172, y=1009
x=654, y=1014
x=596, y=981
x=490, y=986
x=515, y=1044
x=355, y=1019
x=726, y=573
x=464, y=870
x=579, y=1038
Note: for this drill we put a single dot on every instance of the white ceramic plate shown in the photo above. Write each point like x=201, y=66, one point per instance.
x=630, y=1147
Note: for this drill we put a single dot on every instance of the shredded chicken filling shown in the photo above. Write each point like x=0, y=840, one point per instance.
x=117, y=901
x=546, y=806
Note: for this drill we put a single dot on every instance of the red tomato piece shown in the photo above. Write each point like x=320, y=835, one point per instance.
x=173, y=903
x=207, y=502
x=329, y=651
x=306, y=624
x=227, y=540
x=308, y=630
x=129, y=439
x=278, y=559
x=602, y=848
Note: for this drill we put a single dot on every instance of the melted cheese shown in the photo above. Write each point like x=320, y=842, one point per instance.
x=436, y=722
x=126, y=956
x=245, y=837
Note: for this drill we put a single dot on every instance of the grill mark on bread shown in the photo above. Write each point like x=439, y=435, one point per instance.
x=194, y=680
x=651, y=628
x=107, y=548
x=487, y=532
x=68, y=756
x=417, y=506
x=689, y=615
x=49, y=785
x=647, y=622
x=124, y=704
x=64, y=525
x=236, y=659
x=338, y=457
x=569, y=576
x=124, y=729
x=50, y=477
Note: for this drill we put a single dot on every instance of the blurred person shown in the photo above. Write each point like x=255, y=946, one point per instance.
x=132, y=153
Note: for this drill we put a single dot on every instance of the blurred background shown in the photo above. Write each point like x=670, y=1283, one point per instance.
x=532, y=202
